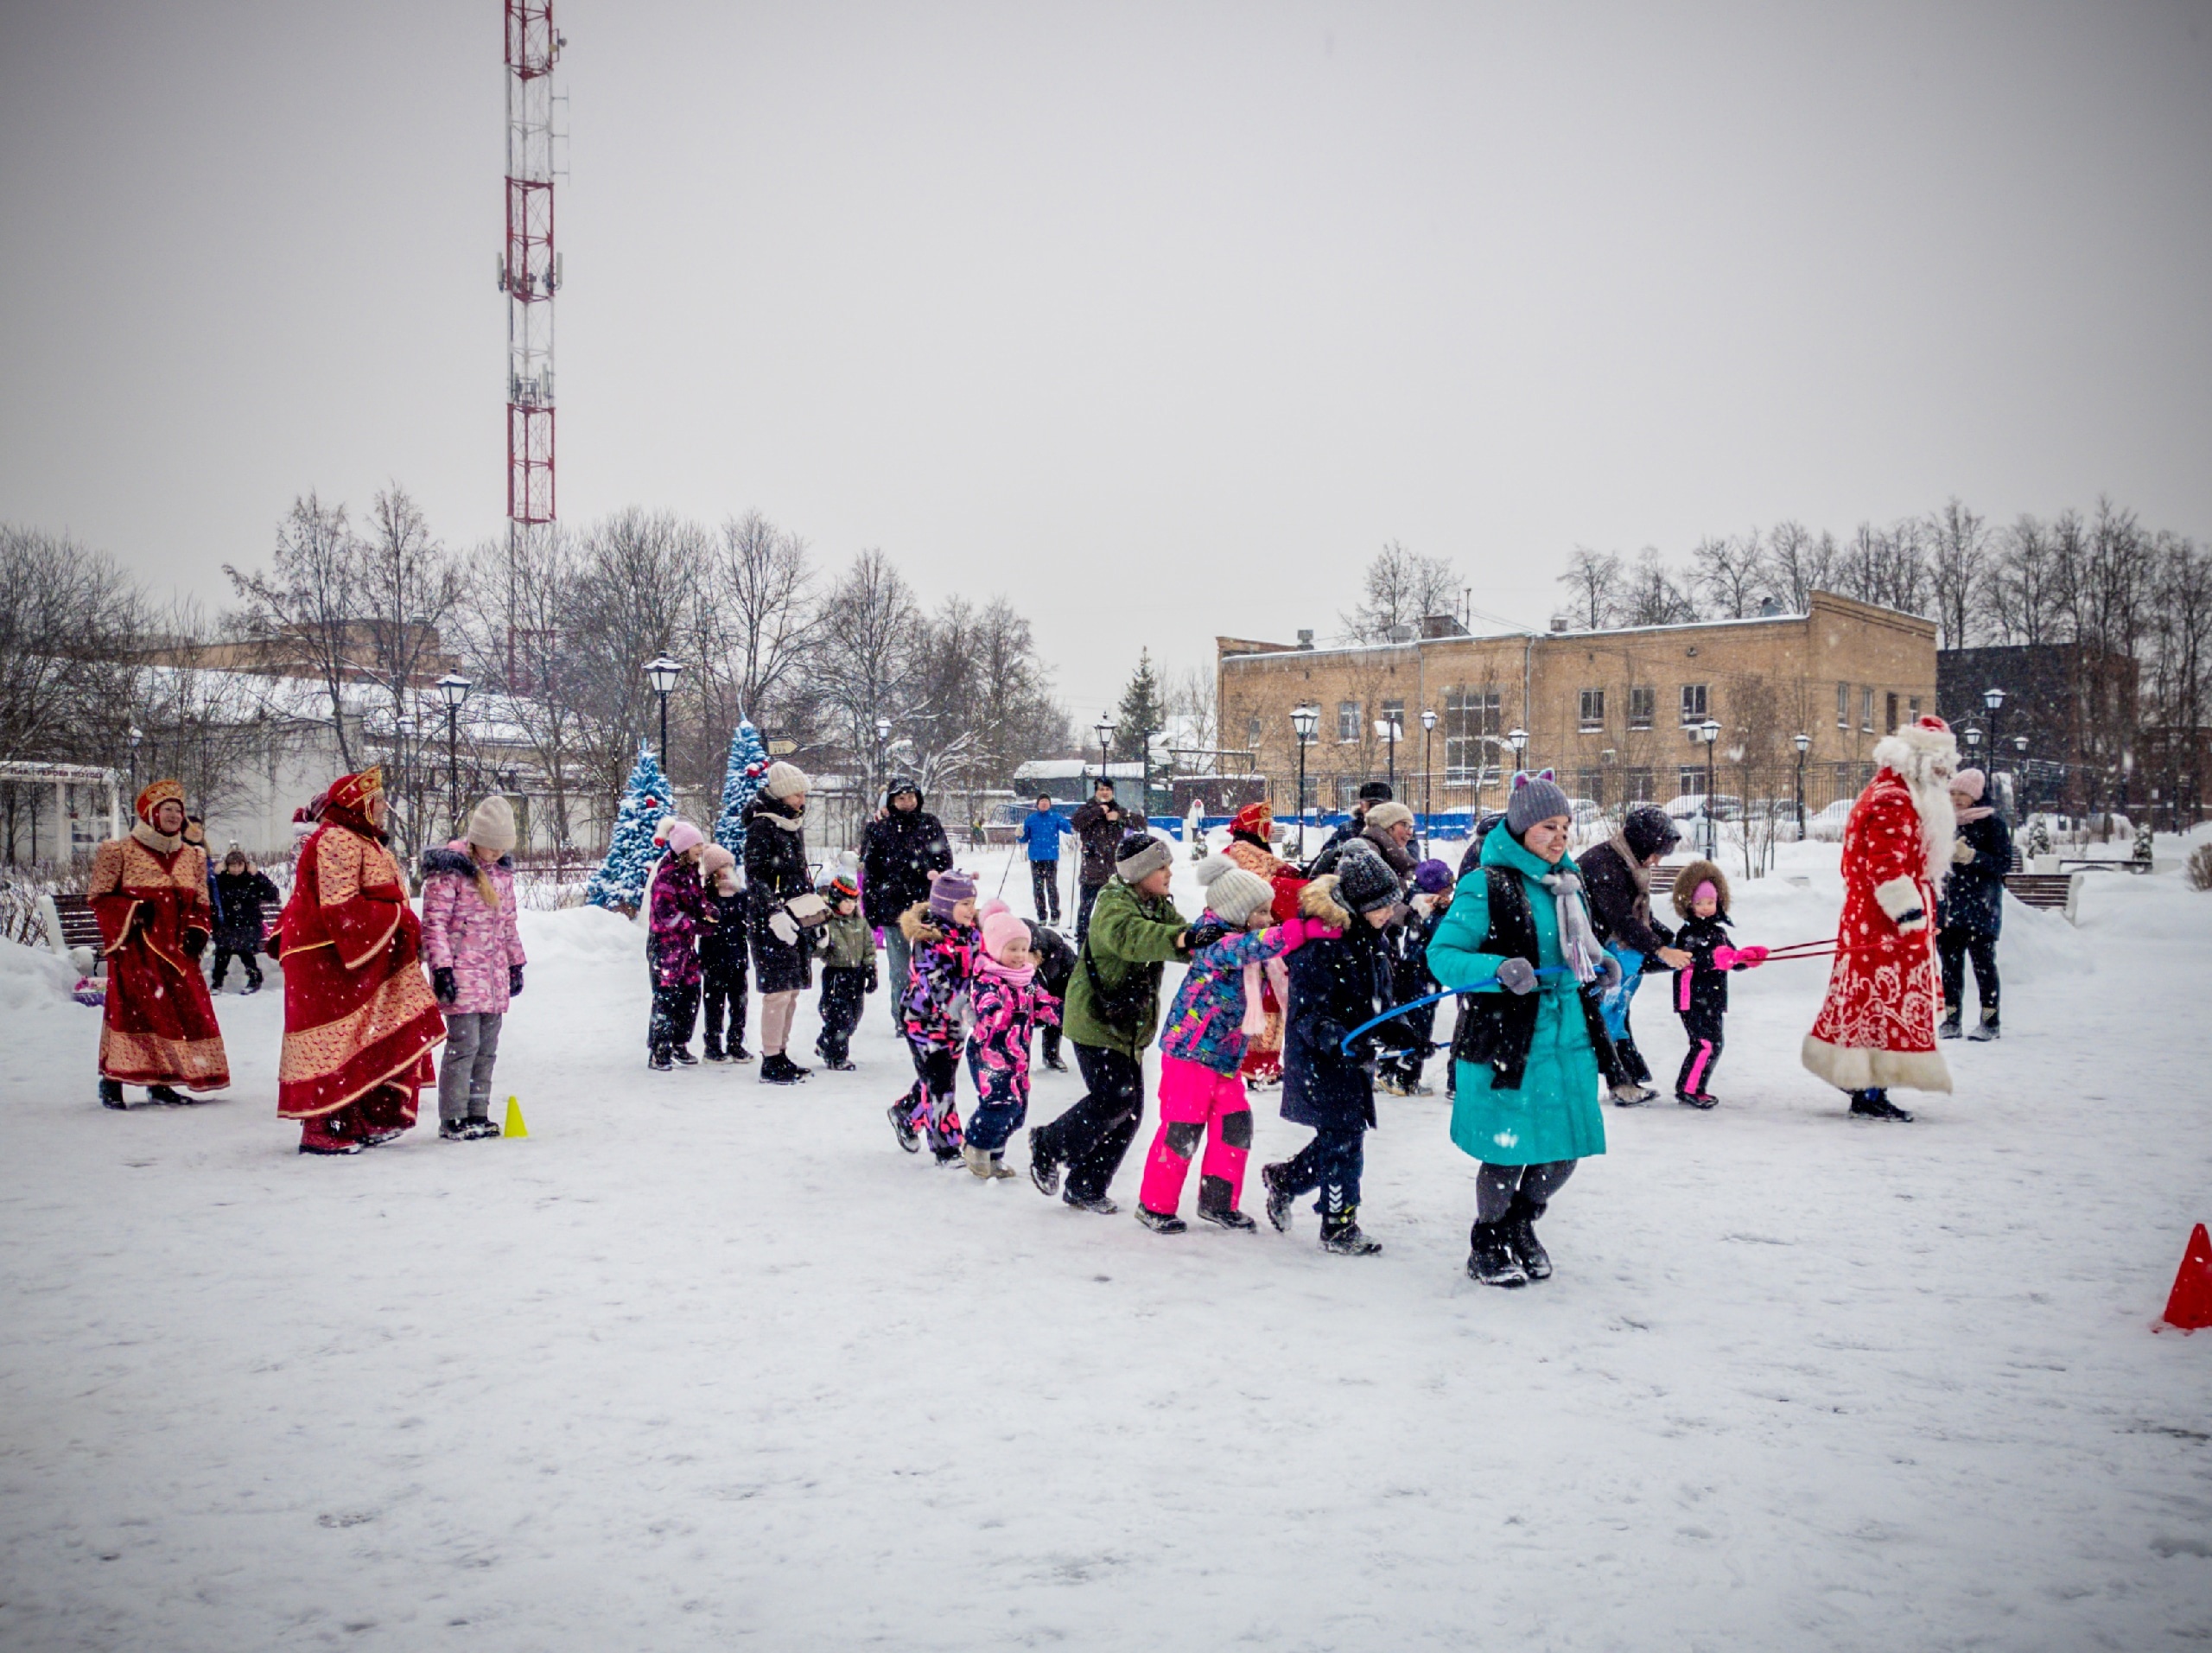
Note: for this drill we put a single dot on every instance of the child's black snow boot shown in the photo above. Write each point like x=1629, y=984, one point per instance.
x=1340, y=1233
x=1161, y=1221
x=1279, y=1197
x=1044, y=1169
x=713, y=1051
x=167, y=1096
x=1490, y=1261
x=1214, y=1205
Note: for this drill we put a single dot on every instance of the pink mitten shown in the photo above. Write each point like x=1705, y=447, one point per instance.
x=1301, y=930
x=1724, y=957
x=1751, y=957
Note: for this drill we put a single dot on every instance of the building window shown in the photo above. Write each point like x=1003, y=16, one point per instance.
x=1693, y=703
x=1252, y=729
x=1347, y=720
x=1593, y=710
x=1891, y=708
x=1347, y=789
x=1843, y=705
x=1866, y=710
x=1473, y=720
x=1393, y=711
x=1642, y=707
x=1689, y=781
x=1912, y=710
x=1592, y=785
x=1636, y=786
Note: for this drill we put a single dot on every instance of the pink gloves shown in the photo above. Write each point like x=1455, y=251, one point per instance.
x=1301, y=930
x=1725, y=957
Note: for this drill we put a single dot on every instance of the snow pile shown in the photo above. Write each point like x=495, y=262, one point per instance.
x=33, y=979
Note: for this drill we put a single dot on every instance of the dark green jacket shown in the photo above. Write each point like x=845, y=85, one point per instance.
x=1129, y=933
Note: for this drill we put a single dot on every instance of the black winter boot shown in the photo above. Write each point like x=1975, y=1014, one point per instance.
x=1340, y=1233
x=1098, y=1203
x=1161, y=1221
x=1044, y=1169
x=167, y=1096
x=1875, y=1103
x=1490, y=1261
x=779, y=1069
x=900, y=1113
x=1519, y=1228
x=1279, y=1199
x=111, y=1093
x=1214, y=1205
x=453, y=1130
x=712, y=1050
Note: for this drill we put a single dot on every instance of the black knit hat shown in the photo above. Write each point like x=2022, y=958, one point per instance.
x=1363, y=882
x=1375, y=792
x=1649, y=831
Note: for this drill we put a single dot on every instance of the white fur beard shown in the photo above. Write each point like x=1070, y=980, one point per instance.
x=1939, y=824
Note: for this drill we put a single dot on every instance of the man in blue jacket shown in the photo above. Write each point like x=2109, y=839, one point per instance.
x=1041, y=829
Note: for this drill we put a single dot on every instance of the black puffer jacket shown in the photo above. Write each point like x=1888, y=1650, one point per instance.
x=1974, y=895
x=899, y=856
x=1100, y=828
x=775, y=871
x=239, y=900
x=1056, y=958
x=1334, y=987
x=1620, y=905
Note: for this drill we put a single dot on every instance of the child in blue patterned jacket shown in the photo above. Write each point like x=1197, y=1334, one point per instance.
x=1217, y=1010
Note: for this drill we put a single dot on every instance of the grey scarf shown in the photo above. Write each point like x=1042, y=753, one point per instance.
x=1578, y=942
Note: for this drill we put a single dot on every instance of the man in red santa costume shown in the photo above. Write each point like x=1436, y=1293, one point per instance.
x=359, y=1019
x=1877, y=1028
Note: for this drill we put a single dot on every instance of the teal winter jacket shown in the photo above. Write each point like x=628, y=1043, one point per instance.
x=1555, y=1113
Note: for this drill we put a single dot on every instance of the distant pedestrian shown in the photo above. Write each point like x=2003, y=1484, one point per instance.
x=1973, y=910
x=1042, y=829
x=1100, y=826
x=242, y=896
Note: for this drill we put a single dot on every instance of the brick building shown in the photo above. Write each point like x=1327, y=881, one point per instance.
x=1614, y=712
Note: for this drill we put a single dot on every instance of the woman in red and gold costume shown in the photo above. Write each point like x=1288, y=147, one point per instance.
x=1251, y=830
x=359, y=1019
x=148, y=891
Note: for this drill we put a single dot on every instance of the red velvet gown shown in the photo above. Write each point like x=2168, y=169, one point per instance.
x=159, y=1026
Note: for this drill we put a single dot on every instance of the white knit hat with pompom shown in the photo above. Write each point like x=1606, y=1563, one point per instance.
x=1232, y=893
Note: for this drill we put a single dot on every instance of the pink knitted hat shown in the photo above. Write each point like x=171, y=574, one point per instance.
x=1000, y=929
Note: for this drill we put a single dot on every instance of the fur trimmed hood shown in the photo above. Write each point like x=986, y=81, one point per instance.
x=455, y=859
x=1687, y=880
x=1318, y=899
x=1925, y=756
x=916, y=925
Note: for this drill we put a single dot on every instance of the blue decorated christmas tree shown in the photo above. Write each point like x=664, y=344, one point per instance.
x=748, y=762
x=619, y=881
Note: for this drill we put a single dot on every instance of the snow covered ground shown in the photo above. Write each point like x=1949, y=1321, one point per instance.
x=705, y=1364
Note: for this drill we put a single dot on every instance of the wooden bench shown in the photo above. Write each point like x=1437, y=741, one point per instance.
x=2051, y=891
x=70, y=922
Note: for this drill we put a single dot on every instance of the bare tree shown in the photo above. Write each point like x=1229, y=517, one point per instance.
x=2023, y=586
x=407, y=587
x=68, y=621
x=301, y=612
x=1399, y=589
x=756, y=614
x=867, y=662
x=1192, y=701
x=1798, y=564
x=1654, y=596
x=1957, y=571
x=1729, y=574
x=1594, y=578
x=1887, y=568
x=634, y=581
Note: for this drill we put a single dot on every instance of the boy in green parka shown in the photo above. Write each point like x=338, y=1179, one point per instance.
x=1530, y=1046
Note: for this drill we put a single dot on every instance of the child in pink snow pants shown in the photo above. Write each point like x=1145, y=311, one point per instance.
x=1202, y=1097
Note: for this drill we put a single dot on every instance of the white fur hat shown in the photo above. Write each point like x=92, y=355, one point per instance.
x=782, y=779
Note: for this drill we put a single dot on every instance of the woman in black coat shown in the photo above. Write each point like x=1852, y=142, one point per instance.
x=776, y=871
x=1336, y=985
x=1972, y=907
x=241, y=894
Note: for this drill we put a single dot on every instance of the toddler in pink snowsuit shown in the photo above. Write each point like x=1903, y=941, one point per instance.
x=1009, y=1002
x=1216, y=1013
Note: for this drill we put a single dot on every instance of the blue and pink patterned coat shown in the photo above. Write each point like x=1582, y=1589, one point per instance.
x=1008, y=1008
x=1206, y=1024
x=932, y=1005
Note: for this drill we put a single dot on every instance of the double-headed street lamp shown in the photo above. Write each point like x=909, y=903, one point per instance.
x=455, y=688
x=1803, y=743
x=1427, y=774
x=662, y=672
x=1709, y=731
x=1303, y=720
x=1104, y=730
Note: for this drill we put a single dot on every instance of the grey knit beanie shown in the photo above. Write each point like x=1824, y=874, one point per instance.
x=1232, y=893
x=1535, y=797
x=1364, y=882
x=1140, y=855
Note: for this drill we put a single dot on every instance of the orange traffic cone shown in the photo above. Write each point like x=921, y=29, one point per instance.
x=2191, y=1306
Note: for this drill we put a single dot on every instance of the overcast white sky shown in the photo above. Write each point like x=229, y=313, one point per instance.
x=1158, y=319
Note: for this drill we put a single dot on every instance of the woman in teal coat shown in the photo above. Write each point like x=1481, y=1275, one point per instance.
x=1530, y=1046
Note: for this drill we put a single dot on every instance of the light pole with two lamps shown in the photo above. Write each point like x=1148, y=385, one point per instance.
x=1303, y=720
x=455, y=688
x=662, y=672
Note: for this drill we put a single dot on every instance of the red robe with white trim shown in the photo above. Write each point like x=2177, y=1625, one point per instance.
x=358, y=1011
x=1877, y=1026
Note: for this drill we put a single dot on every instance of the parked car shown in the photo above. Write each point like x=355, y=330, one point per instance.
x=1827, y=826
x=1587, y=811
x=1691, y=806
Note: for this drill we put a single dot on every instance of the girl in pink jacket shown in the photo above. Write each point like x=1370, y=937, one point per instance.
x=475, y=959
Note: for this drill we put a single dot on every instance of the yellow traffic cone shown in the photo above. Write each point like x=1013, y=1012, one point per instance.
x=514, y=1127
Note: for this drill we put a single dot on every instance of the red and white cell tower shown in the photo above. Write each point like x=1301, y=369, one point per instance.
x=530, y=274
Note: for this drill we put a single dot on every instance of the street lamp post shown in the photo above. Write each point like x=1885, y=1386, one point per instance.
x=662, y=672
x=1390, y=728
x=1104, y=729
x=1427, y=774
x=1303, y=721
x=1803, y=743
x=455, y=688
x=1709, y=731
x=2025, y=796
x=402, y=730
x=136, y=736
x=1518, y=739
